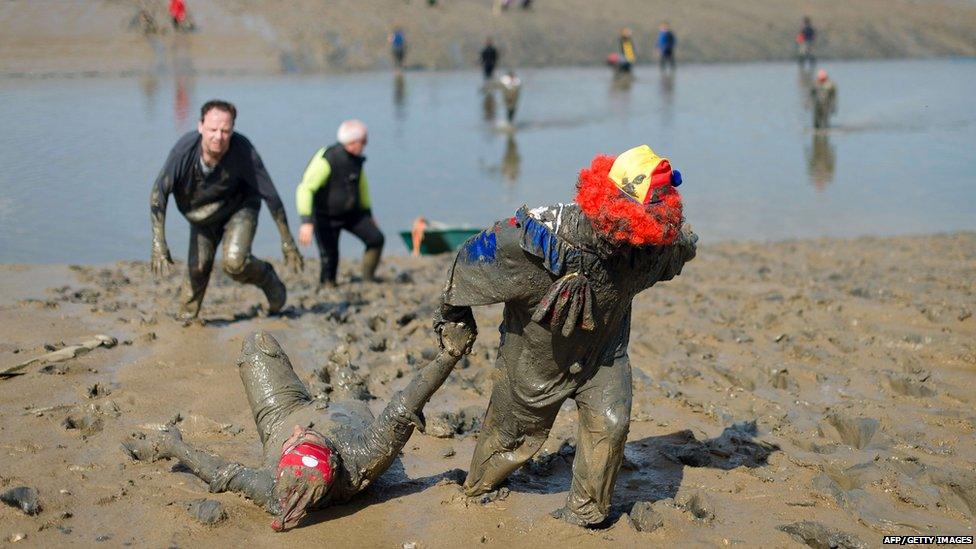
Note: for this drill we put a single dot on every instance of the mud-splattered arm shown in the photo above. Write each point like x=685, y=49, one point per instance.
x=158, y=200
x=379, y=445
x=491, y=267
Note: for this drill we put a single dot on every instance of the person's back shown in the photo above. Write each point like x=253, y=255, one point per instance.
x=489, y=58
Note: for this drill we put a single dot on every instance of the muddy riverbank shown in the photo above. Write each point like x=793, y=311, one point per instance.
x=104, y=37
x=820, y=381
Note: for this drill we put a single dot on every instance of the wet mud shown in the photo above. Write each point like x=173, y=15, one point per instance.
x=804, y=392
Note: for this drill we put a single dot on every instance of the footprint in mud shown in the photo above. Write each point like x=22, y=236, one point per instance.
x=910, y=386
x=781, y=379
x=857, y=432
x=454, y=424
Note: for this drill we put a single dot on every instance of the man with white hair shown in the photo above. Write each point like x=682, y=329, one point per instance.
x=333, y=195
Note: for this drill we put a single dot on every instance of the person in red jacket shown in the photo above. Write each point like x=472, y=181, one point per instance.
x=177, y=11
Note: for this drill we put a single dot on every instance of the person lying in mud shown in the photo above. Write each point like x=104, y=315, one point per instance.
x=314, y=455
x=567, y=275
x=218, y=181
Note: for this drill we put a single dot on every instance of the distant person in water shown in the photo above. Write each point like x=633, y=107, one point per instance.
x=628, y=55
x=489, y=58
x=666, y=42
x=315, y=455
x=179, y=17
x=511, y=88
x=824, y=97
x=218, y=181
x=398, y=46
x=334, y=195
x=805, y=40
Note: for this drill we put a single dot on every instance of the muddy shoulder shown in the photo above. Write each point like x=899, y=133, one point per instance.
x=814, y=392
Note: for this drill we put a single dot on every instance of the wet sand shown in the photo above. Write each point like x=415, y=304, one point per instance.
x=45, y=37
x=855, y=359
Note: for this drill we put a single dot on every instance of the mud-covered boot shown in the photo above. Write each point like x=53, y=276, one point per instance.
x=371, y=260
x=274, y=289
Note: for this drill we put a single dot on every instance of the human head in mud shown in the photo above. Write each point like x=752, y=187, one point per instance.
x=304, y=475
x=632, y=199
x=216, y=126
x=352, y=135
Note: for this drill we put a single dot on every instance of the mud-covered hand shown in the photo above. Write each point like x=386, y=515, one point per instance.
x=457, y=338
x=160, y=260
x=463, y=320
x=293, y=258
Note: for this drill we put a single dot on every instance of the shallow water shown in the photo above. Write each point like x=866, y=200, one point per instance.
x=78, y=155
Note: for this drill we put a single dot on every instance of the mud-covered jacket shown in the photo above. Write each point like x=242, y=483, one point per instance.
x=334, y=184
x=238, y=180
x=567, y=294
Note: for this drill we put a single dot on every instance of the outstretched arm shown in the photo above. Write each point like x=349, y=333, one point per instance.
x=222, y=475
x=160, y=258
x=388, y=433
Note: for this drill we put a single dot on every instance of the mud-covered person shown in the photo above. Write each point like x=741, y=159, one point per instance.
x=315, y=454
x=823, y=94
x=334, y=196
x=218, y=181
x=567, y=275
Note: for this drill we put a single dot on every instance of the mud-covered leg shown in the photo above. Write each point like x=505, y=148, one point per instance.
x=511, y=435
x=222, y=475
x=272, y=387
x=199, y=263
x=604, y=420
x=243, y=267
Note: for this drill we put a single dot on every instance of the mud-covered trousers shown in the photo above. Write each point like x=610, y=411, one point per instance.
x=273, y=391
x=516, y=428
x=327, y=231
x=237, y=233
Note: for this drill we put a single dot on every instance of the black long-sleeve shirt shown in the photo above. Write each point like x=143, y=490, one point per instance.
x=238, y=180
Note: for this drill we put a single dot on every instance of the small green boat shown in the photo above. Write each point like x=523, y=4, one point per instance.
x=440, y=240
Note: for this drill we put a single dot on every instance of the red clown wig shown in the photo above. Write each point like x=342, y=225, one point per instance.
x=622, y=219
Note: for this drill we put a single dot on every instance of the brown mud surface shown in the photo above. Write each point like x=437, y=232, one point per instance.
x=777, y=386
x=52, y=37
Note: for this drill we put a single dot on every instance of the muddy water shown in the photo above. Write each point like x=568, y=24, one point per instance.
x=78, y=155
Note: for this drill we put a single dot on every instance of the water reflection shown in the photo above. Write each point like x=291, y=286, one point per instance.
x=399, y=94
x=666, y=91
x=183, y=74
x=488, y=105
x=512, y=161
x=804, y=83
x=622, y=81
x=821, y=159
x=619, y=95
x=149, y=80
